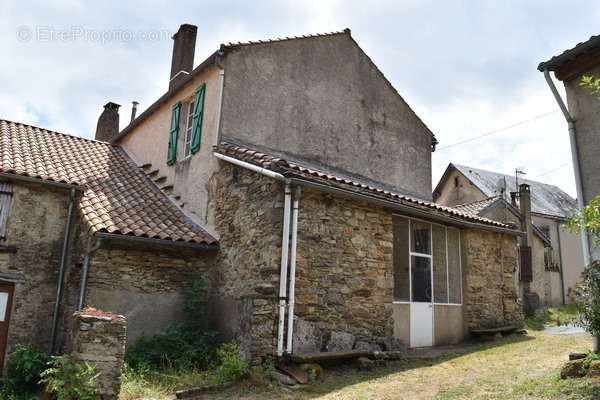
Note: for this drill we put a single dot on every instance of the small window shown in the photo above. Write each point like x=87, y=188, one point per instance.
x=5, y=203
x=188, y=129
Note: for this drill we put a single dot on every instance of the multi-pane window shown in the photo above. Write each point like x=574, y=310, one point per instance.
x=189, y=126
x=426, y=262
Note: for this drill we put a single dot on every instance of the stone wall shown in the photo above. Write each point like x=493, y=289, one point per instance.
x=489, y=262
x=247, y=211
x=344, y=278
x=99, y=339
x=30, y=259
x=144, y=285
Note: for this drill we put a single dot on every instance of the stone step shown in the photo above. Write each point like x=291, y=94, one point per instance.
x=153, y=173
x=145, y=167
x=167, y=188
x=160, y=179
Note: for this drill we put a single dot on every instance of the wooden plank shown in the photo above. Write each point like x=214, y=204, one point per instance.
x=490, y=331
x=329, y=356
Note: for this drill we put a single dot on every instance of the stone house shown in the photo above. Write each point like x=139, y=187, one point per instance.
x=290, y=175
x=557, y=259
x=581, y=115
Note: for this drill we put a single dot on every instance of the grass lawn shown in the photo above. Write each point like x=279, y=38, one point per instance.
x=517, y=367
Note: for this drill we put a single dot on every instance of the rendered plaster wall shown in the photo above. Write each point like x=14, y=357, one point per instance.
x=148, y=143
x=323, y=100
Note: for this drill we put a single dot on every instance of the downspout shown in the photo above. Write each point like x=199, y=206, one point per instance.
x=217, y=128
x=562, y=270
x=292, y=290
x=86, y=267
x=285, y=244
x=285, y=239
x=61, y=273
x=575, y=156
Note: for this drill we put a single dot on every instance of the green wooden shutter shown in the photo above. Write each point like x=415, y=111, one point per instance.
x=174, y=133
x=197, y=119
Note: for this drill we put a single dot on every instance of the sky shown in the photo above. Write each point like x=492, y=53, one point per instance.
x=465, y=67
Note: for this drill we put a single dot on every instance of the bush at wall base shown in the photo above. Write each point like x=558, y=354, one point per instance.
x=67, y=379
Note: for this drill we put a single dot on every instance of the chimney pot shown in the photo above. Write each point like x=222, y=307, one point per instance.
x=133, y=110
x=108, y=122
x=184, y=45
x=525, y=208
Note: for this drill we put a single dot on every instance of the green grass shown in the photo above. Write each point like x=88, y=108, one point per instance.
x=146, y=383
x=514, y=368
x=552, y=317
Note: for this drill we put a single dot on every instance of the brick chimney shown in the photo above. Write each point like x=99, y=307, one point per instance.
x=525, y=208
x=184, y=45
x=108, y=123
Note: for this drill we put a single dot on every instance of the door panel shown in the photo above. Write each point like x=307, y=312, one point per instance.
x=421, y=324
x=6, y=297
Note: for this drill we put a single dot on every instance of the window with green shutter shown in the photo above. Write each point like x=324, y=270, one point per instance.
x=197, y=119
x=173, y=134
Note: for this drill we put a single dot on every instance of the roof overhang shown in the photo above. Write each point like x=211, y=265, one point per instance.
x=159, y=244
x=409, y=210
x=575, y=61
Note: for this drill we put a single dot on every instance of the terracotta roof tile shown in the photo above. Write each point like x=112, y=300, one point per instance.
x=118, y=197
x=293, y=168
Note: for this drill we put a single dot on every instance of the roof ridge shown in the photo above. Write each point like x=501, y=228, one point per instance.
x=229, y=45
x=507, y=175
x=56, y=132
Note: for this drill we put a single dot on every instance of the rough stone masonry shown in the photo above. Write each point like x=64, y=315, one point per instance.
x=98, y=338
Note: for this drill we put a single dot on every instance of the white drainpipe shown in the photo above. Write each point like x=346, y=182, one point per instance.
x=285, y=246
x=575, y=156
x=292, y=291
x=217, y=127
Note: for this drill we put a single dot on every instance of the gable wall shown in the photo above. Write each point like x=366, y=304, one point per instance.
x=321, y=99
x=450, y=195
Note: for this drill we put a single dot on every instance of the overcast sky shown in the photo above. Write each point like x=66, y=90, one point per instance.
x=465, y=67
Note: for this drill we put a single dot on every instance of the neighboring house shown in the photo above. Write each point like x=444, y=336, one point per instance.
x=308, y=178
x=79, y=212
x=583, y=106
x=557, y=261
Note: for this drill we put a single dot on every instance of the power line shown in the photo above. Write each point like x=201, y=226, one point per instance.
x=552, y=170
x=498, y=130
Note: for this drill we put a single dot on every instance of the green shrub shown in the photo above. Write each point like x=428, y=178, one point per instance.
x=175, y=348
x=587, y=297
x=24, y=368
x=185, y=346
x=68, y=379
x=232, y=365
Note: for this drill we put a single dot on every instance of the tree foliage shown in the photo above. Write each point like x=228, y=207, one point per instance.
x=591, y=83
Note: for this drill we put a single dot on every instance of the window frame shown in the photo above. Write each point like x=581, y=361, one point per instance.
x=430, y=256
x=189, y=126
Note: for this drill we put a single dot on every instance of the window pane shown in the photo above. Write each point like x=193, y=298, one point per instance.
x=421, y=279
x=420, y=237
x=454, y=277
x=440, y=283
x=401, y=272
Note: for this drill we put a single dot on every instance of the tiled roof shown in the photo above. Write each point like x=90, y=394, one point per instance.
x=477, y=206
x=570, y=54
x=545, y=199
x=291, y=168
x=117, y=196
